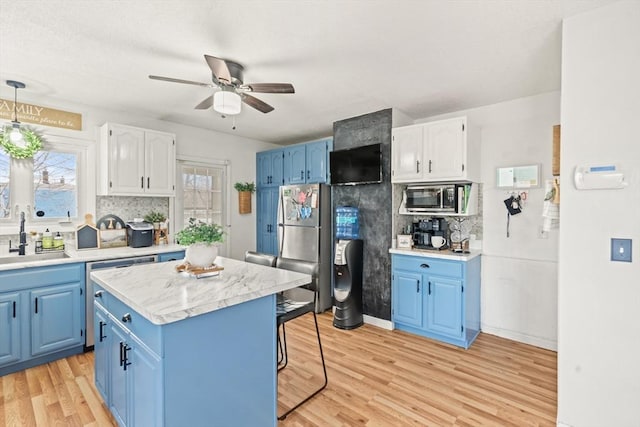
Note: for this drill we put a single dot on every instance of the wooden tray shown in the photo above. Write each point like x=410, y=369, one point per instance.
x=199, y=272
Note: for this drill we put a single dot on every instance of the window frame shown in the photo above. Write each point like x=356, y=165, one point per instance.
x=22, y=187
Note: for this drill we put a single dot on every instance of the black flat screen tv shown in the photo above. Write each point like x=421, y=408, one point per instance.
x=360, y=165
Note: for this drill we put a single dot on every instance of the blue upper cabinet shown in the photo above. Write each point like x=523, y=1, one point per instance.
x=317, y=160
x=269, y=168
x=295, y=165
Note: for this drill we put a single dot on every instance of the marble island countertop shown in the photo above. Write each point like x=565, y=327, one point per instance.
x=442, y=254
x=71, y=255
x=162, y=295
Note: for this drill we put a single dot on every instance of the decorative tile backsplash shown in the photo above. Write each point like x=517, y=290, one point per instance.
x=128, y=208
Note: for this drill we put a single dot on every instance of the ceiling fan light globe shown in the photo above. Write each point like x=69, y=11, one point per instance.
x=226, y=102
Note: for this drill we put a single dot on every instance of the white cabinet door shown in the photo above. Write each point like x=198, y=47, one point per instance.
x=159, y=163
x=445, y=149
x=407, y=150
x=125, y=160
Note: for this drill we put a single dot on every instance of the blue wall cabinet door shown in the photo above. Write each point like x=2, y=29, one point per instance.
x=269, y=168
x=444, y=301
x=277, y=168
x=295, y=168
x=317, y=161
x=9, y=327
x=119, y=398
x=56, y=320
x=144, y=384
x=407, y=298
x=267, y=213
x=101, y=351
x=263, y=169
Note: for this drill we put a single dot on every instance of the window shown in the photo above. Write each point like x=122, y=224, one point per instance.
x=5, y=207
x=53, y=186
x=55, y=192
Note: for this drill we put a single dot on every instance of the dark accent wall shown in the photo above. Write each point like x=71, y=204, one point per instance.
x=374, y=203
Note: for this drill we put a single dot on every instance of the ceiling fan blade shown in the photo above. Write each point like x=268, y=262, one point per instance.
x=254, y=102
x=207, y=103
x=219, y=68
x=269, y=87
x=188, y=82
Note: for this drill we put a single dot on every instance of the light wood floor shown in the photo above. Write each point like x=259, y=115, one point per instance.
x=376, y=378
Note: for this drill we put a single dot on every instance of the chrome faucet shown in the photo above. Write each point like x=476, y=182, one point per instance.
x=23, y=238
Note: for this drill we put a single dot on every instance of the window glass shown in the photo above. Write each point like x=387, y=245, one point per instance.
x=203, y=194
x=55, y=184
x=5, y=206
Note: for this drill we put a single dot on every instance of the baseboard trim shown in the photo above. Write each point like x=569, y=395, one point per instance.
x=520, y=337
x=380, y=323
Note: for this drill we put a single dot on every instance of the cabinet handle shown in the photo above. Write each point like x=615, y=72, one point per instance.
x=302, y=175
x=417, y=166
x=126, y=318
x=424, y=265
x=102, y=336
x=36, y=305
x=429, y=288
x=125, y=356
x=417, y=286
x=98, y=294
x=429, y=166
x=308, y=174
x=142, y=182
x=148, y=182
x=14, y=309
x=121, y=353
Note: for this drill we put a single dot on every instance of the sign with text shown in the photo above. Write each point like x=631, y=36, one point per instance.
x=29, y=113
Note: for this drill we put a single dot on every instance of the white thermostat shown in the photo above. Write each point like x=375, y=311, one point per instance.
x=598, y=177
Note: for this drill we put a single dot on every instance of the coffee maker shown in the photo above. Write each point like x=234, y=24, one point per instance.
x=424, y=229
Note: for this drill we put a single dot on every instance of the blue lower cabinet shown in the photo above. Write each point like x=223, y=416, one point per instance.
x=200, y=371
x=171, y=256
x=41, y=315
x=437, y=298
x=101, y=350
x=9, y=328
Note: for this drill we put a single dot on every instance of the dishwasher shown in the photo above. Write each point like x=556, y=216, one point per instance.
x=101, y=265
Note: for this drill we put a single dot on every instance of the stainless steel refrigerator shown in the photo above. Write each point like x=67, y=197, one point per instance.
x=304, y=231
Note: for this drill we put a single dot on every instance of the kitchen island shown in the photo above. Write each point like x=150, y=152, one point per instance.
x=173, y=350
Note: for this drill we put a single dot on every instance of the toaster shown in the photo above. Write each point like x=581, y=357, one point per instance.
x=139, y=234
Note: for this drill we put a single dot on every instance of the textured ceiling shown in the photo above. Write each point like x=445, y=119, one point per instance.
x=345, y=58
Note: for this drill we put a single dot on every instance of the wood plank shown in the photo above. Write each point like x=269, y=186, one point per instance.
x=376, y=378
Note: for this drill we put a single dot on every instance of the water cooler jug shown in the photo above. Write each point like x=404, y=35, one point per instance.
x=347, y=292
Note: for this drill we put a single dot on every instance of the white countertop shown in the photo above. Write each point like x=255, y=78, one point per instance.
x=444, y=254
x=84, y=255
x=162, y=295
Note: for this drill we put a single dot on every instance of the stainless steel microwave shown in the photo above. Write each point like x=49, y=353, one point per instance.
x=436, y=198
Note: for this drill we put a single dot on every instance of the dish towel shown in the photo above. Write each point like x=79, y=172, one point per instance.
x=551, y=205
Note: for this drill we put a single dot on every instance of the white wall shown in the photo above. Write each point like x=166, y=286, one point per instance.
x=519, y=273
x=599, y=300
x=190, y=142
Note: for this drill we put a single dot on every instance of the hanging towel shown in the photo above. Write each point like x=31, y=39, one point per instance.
x=551, y=205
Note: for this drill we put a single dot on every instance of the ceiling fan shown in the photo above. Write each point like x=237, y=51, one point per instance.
x=227, y=76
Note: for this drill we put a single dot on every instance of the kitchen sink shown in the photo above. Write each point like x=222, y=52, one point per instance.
x=13, y=259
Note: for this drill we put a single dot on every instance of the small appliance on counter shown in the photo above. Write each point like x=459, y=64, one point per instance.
x=139, y=234
x=425, y=229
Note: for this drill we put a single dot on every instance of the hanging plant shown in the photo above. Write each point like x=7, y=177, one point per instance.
x=33, y=143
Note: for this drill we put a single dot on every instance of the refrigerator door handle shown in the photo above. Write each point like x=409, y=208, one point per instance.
x=280, y=239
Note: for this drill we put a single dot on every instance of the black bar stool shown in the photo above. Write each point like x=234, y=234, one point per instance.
x=260, y=258
x=288, y=309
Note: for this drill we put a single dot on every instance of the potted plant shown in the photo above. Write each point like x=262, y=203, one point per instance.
x=244, y=195
x=202, y=241
x=155, y=218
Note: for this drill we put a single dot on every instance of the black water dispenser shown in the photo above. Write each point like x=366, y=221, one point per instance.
x=347, y=292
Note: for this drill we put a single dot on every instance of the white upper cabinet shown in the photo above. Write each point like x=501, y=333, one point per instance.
x=435, y=151
x=135, y=161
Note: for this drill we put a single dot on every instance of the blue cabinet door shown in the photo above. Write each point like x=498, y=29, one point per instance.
x=145, y=385
x=317, y=161
x=277, y=168
x=101, y=351
x=263, y=169
x=295, y=165
x=444, y=302
x=407, y=298
x=267, y=240
x=118, y=402
x=56, y=318
x=9, y=327
x=269, y=168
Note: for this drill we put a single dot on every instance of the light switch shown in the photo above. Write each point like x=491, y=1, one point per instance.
x=621, y=250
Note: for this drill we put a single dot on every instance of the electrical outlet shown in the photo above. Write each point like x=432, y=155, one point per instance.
x=621, y=250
